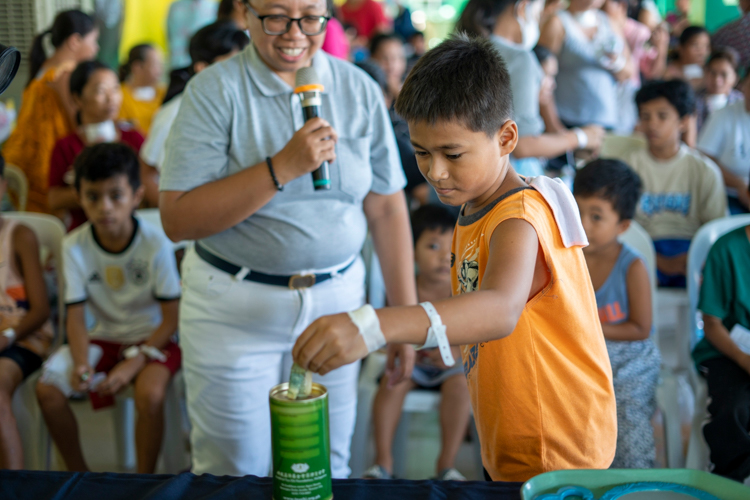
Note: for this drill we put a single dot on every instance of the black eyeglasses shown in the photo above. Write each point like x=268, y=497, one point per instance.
x=277, y=24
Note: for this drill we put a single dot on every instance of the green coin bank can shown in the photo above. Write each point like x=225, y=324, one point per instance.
x=301, y=445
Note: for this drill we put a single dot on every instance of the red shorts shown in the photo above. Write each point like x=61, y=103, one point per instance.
x=112, y=354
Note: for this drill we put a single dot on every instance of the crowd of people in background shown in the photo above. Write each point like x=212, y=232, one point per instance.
x=579, y=73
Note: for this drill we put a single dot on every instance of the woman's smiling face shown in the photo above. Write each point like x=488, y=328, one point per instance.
x=286, y=53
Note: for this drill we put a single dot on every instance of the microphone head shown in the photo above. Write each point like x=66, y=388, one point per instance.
x=307, y=80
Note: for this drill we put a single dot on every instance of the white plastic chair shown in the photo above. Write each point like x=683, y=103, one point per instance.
x=417, y=401
x=698, y=452
x=667, y=390
x=34, y=436
x=18, y=185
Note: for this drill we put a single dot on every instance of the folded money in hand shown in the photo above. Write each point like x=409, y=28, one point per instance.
x=300, y=383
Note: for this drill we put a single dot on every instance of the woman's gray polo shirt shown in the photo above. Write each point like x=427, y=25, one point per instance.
x=237, y=112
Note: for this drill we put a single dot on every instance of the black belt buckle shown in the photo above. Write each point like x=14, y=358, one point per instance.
x=301, y=281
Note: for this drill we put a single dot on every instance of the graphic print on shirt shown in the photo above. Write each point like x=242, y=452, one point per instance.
x=655, y=203
x=611, y=313
x=114, y=276
x=468, y=273
x=137, y=271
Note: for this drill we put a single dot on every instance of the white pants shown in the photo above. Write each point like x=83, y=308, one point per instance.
x=236, y=339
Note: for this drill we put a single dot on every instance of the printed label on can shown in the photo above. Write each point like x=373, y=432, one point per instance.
x=300, y=443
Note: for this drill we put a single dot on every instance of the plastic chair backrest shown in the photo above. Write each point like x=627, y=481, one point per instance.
x=50, y=231
x=616, y=146
x=152, y=216
x=637, y=238
x=18, y=185
x=697, y=254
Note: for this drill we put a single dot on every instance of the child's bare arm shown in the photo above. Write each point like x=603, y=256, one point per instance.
x=638, y=325
x=488, y=314
x=26, y=251
x=78, y=340
x=169, y=320
x=718, y=335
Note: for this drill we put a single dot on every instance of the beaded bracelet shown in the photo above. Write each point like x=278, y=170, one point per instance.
x=279, y=187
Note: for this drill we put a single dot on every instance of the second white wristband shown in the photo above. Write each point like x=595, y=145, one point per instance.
x=368, y=323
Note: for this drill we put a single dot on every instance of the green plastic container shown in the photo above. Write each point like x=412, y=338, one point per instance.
x=301, y=445
x=601, y=481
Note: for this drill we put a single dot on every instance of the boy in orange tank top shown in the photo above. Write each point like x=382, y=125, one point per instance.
x=523, y=308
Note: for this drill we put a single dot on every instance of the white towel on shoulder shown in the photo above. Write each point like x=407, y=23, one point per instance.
x=564, y=208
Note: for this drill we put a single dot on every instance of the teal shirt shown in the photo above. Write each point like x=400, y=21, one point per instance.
x=725, y=292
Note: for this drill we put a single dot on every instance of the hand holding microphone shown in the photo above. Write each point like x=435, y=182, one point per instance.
x=308, y=148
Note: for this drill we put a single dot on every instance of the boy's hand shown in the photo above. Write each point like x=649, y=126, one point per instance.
x=434, y=358
x=406, y=356
x=329, y=343
x=80, y=378
x=121, y=375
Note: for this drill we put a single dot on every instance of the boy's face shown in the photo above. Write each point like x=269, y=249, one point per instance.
x=432, y=254
x=600, y=221
x=696, y=50
x=460, y=164
x=661, y=123
x=390, y=57
x=109, y=203
x=720, y=77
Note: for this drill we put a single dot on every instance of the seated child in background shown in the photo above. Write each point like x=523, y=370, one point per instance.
x=721, y=77
x=723, y=355
x=25, y=329
x=726, y=139
x=607, y=193
x=524, y=312
x=123, y=270
x=682, y=189
x=693, y=49
x=387, y=50
x=432, y=227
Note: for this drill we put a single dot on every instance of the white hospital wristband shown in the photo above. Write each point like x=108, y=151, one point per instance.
x=369, y=327
x=10, y=334
x=436, y=336
x=583, y=139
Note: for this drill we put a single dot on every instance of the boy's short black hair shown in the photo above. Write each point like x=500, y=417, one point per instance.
x=727, y=54
x=691, y=32
x=381, y=38
x=612, y=180
x=462, y=79
x=679, y=93
x=431, y=217
x=107, y=160
x=215, y=40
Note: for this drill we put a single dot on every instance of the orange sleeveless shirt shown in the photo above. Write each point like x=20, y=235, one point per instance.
x=41, y=123
x=543, y=398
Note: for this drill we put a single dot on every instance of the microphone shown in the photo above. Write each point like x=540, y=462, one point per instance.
x=308, y=87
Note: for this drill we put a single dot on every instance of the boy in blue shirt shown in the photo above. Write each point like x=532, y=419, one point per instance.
x=607, y=192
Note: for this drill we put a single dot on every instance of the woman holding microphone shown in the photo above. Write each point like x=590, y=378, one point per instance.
x=272, y=254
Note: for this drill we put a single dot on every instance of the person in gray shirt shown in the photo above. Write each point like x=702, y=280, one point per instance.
x=513, y=27
x=271, y=253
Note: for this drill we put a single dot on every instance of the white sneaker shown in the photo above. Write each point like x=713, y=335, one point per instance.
x=450, y=475
x=376, y=472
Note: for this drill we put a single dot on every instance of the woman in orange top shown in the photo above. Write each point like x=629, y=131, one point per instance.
x=142, y=92
x=47, y=110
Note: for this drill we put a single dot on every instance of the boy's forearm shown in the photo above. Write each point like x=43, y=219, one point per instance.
x=78, y=340
x=161, y=335
x=479, y=316
x=718, y=335
x=30, y=323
